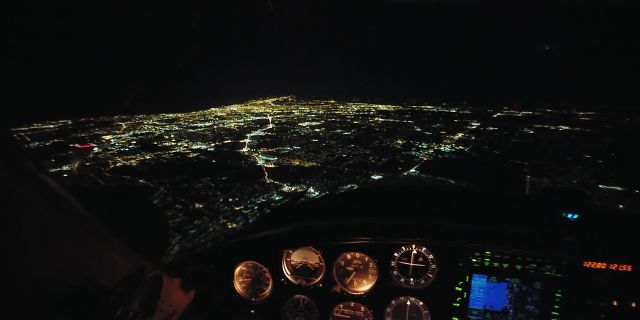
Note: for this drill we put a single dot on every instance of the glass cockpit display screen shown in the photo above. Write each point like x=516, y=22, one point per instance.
x=507, y=298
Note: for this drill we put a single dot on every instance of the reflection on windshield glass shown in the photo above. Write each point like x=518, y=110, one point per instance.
x=214, y=171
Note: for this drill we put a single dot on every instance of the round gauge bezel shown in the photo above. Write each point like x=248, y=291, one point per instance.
x=293, y=278
x=388, y=311
x=315, y=316
x=433, y=267
x=243, y=292
x=352, y=304
x=347, y=289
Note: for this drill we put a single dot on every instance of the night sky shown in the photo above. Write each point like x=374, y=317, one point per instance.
x=86, y=59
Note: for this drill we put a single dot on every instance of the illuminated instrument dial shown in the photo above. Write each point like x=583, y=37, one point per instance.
x=300, y=307
x=355, y=272
x=406, y=308
x=252, y=281
x=351, y=311
x=413, y=266
x=303, y=266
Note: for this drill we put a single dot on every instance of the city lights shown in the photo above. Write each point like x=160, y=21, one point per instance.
x=213, y=171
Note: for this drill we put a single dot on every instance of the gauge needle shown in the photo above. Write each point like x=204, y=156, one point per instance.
x=339, y=315
x=353, y=274
x=408, y=307
x=411, y=264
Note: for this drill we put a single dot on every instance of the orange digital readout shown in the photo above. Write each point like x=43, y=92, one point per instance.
x=607, y=266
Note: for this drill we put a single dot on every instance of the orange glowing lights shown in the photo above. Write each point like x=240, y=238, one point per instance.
x=607, y=266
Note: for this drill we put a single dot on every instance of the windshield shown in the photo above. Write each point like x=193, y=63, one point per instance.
x=216, y=113
x=214, y=171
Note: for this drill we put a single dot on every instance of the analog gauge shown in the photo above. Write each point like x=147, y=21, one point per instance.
x=303, y=266
x=355, y=272
x=252, y=281
x=406, y=308
x=300, y=307
x=351, y=311
x=413, y=266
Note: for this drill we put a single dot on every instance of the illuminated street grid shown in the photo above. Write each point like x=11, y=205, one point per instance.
x=215, y=170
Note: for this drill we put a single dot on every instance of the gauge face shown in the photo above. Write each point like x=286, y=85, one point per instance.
x=303, y=266
x=406, y=308
x=300, y=307
x=413, y=266
x=355, y=272
x=252, y=281
x=351, y=311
